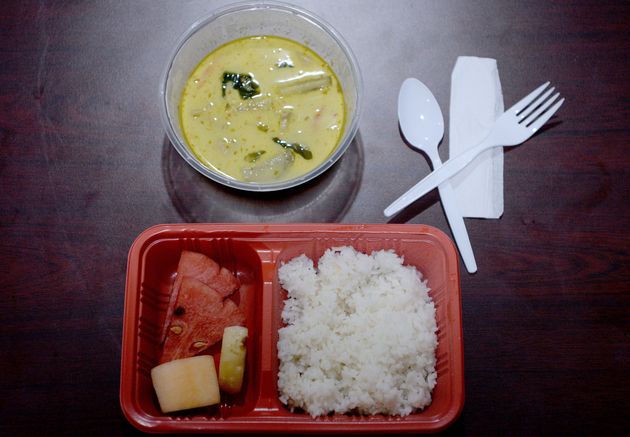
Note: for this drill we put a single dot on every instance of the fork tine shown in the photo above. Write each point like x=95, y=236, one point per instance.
x=532, y=117
x=546, y=116
x=518, y=107
x=534, y=105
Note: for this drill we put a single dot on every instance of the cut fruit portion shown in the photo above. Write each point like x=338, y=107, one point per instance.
x=232, y=363
x=224, y=282
x=198, y=319
x=186, y=383
x=199, y=266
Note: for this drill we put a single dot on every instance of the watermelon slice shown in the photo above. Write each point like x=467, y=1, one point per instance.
x=198, y=319
x=198, y=310
x=199, y=266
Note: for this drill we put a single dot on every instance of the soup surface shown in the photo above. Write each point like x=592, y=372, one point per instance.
x=262, y=109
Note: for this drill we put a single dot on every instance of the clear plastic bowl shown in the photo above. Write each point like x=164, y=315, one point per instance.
x=252, y=19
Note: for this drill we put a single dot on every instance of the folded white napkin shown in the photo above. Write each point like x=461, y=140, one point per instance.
x=476, y=102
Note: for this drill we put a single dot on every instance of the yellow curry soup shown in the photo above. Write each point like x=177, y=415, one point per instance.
x=262, y=109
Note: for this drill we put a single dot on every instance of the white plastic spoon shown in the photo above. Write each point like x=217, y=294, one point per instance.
x=422, y=124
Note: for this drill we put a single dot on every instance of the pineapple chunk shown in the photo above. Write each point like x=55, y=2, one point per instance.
x=186, y=383
x=232, y=363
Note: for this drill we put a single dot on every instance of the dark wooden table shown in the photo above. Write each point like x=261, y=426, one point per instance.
x=85, y=166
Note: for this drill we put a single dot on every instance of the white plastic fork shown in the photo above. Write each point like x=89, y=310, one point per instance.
x=513, y=127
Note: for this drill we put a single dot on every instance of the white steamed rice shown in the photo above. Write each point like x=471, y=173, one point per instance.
x=360, y=335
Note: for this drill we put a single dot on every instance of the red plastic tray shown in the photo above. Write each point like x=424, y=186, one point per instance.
x=255, y=252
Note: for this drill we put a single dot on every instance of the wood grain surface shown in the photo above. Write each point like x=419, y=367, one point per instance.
x=85, y=166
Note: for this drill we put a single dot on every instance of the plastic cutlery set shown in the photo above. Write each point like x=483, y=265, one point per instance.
x=422, y=124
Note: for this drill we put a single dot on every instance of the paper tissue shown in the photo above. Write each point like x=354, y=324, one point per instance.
x=476, y=102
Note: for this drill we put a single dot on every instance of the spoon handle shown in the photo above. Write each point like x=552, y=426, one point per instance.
x=458, y=227
x=451, y=209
